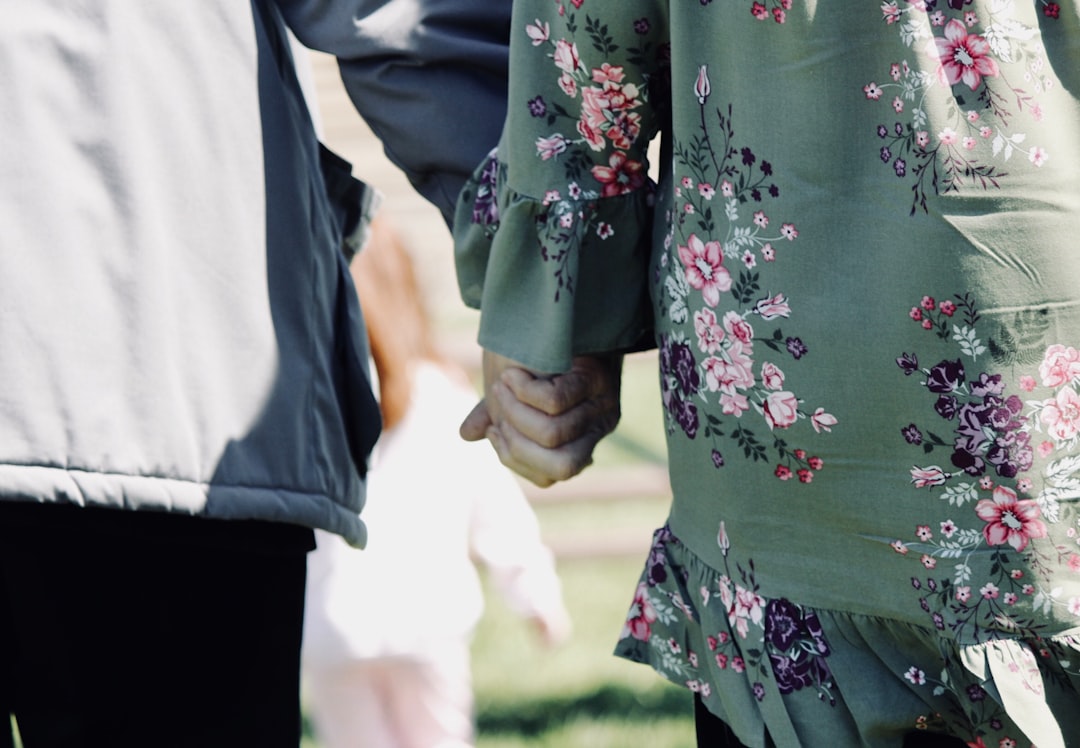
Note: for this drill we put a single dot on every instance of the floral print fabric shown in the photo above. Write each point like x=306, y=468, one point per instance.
x=855, y=266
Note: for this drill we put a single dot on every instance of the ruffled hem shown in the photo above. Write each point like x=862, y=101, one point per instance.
x=813, y=677
x=571, y=272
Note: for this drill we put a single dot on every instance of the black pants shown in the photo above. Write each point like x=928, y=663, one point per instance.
x=127, y=630
x=713, y=733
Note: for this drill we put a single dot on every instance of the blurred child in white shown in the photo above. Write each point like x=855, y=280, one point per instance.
x=387, y=630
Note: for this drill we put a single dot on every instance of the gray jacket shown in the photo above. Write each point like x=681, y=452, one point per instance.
x=178, y=330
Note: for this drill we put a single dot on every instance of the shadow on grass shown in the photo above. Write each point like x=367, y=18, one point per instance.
x=535, y=717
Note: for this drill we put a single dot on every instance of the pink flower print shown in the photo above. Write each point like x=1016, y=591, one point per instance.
x=749, y=259
x=759, y=11
x=972, y=116
x=970, y=19
x=1016, y=574
x=1037, y=156
x=566, y=220
x=746, y=608
x=1027, y=383
x=773, y=307
x=815, y=463
x=538, y=32
x=548, y=148
x=1074, y=563
x=551, y=196
x=898, y=104
x=706, y=190
x=873, y=91
x=568, y=86
x=781, y=410
x=989, y=591
x=728, y=376
x=948, y=136
x=937, y=18
x=783, y=472
x=738, y=664
x=761, y=219
x=704, y=269
x=623, y=176
x=1006, y=743
x=727, y=189
x=963, y=594
x=1023, y=485
x=928, y=303
x=605, y=230
x=968, y=143
x=643, y=615
x=767, y=252
x=963, y=56
x=916, y=313
x=702, y=88
x=1010, y=520
x=1028, y=589
x=779, y=15
x=687, y=182
x=734, y=404
x=1074, y=606
x=928, y=477
x=894, y=71
x=922, y=138
x=739, y=328
x=928, y=561
x=722, y=661
x=948, y=528
x=771, y=376
x=822, y=421
x=924, y=533
x=947, y=308
x=986, y=483
x=890, y=12
x=1010, y=598
x=805, y=475
x=986, y=131
x=1061, y=415
x=688, y=209
x=722, y=540
x=789, y=232
x=607, y=72
x=709, y=333
x=566, y=56
x=1045, y=448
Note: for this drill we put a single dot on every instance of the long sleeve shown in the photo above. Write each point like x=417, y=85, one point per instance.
x=428, y=76
x=553, y=231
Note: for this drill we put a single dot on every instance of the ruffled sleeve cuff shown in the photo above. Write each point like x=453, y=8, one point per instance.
x=555, y=276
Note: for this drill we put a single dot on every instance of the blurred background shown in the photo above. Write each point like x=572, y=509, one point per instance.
x=598, y=525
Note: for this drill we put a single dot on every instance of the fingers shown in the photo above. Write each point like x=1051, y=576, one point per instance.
x=475, y=426
x=548, y=431
x=541, y=465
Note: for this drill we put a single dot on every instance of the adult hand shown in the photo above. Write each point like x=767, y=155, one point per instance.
x=545, y=426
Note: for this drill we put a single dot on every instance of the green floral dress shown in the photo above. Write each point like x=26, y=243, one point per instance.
x=861, y=268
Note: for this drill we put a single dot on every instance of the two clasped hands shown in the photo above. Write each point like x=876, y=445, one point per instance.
x=545, y=427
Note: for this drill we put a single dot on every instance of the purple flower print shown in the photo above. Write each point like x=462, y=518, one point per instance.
x=976, y=692
x=947, y=376
x=485, y=211
x=947, y=407
x=766, y=168
x=642, y=26
x=793, y=674
x=759, y=691
x=748, y=157
x=685, y=414
x=900, y=167
x=912, y=434
x=717, y=458
x=537, y=106
x=684, y=367
x=886, y=155
x=796, y=347
x=987, y=384
x=783, y=623
x=909, y=363
x=882, y=131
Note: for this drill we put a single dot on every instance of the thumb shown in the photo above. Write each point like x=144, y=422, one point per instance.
x=475, y=426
